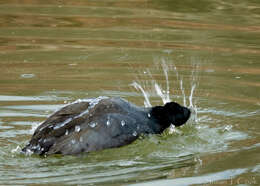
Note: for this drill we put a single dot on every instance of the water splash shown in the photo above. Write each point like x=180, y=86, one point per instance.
x=92, y=124
x=28, y=152
x=147, y=102
x=61, y=124
x=173, y=129
x=92, y=103
x=165, y=70
x=166, y=94
x=77, y=128
x=16, y=150
x=191, y=95
x=73, y=141
x=183, y=93
x=160, y=93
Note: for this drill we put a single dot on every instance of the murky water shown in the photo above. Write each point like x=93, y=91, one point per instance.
x=204, y=54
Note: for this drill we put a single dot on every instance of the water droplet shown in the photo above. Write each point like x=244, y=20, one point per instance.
x=123, y=123
x=228, y=128
x=134, y=133
x=67, y=132
x=108, y=123
x=73, y=141
x=77, y=128
x=42, y=149
x=92, y=124
x=149, y=115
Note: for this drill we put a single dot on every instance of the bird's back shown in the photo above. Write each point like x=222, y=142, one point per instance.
x=90, y=125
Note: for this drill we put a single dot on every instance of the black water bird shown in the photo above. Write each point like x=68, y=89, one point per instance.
x=100, y=123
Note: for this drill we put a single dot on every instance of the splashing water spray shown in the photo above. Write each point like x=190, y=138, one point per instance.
x=147, y=102
x=165, y=95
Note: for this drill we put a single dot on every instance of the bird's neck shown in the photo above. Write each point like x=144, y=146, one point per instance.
x=160, y=115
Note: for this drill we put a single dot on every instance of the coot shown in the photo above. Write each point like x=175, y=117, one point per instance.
x=100, y=123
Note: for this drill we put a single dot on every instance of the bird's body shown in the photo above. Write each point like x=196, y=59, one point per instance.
x=96, y=124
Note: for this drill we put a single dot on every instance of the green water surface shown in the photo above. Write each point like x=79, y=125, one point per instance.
x=54, y=52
